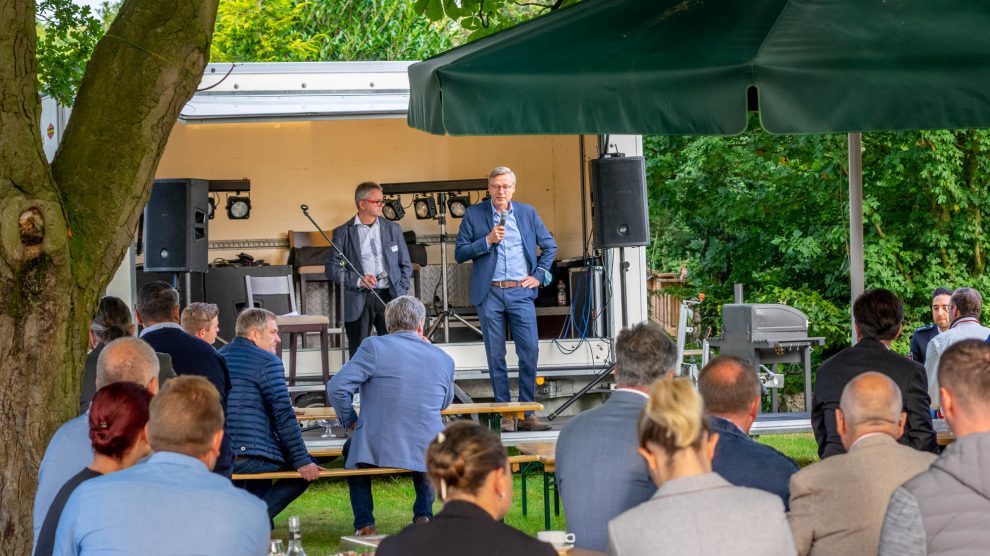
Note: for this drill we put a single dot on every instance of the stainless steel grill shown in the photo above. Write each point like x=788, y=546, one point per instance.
x=765, y=334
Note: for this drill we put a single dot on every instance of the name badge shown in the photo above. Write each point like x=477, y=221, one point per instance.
x=395, y=248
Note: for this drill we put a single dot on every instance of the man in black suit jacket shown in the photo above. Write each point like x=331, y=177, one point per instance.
x=158, y=311
x=878, y=315
x=731, y=391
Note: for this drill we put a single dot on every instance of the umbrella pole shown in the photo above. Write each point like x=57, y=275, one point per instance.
x=856, y=280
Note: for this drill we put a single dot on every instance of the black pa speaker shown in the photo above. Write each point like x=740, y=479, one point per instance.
x=618, y=202
x=175, y=233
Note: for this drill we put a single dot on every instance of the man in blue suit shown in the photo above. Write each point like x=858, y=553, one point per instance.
x=157, y=310
x=376, y=248
x=404, y=382
x=731, y=392
x=500, y=237
x=599, y=472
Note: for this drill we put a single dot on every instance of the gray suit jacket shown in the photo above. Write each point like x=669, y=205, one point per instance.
x=703, y=515
x=395, y=256
x=599, y=473
x=838, y=504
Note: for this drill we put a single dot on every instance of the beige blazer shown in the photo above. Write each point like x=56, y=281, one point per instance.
x=838, y=504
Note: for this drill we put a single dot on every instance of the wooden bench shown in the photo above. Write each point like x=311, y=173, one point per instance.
x=514, y=461
x=489, y=413
x=545, y=453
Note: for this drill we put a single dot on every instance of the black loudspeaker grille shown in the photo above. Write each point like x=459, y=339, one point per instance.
x=176, y=238
x=618, y=202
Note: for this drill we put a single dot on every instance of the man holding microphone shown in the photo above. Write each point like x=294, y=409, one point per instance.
x=500, y=237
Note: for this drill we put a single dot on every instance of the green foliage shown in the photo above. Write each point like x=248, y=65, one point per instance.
x=67, y=34
x=484, y=17
x=771, y=212
x=325, y=30
x=261, y=31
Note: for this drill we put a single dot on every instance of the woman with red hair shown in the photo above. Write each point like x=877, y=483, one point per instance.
x=118, y=419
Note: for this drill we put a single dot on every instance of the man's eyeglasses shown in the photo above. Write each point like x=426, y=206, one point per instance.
x=378, y=203
x=501, y=187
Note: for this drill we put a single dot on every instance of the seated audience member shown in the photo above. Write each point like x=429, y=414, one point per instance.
x=171, y=503
x=694, y=511
x=470, y=470
x=112, y=321
x=946, y=509
x=965, y=307
x=201, y=320
x=731, y=392
x=599, y=473
x=157, y=310
x=837, y=504
x=404, y=382
x=922, y=335
x=877, y=320
x=263, y=426
x=117, y=431
x=126, y=359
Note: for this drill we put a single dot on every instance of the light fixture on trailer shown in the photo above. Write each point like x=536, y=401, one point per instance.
x=238, y=208
x=392, y=209
x=425, y=207
x=457, y=204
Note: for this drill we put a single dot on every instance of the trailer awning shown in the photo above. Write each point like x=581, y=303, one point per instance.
x=227, y=107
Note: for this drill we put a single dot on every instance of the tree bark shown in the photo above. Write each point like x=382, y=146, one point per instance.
x=64, y=229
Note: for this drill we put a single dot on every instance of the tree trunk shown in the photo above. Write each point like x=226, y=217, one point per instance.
x=64, y=229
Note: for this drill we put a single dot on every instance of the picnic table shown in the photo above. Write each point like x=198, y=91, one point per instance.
x=489, y=413
x=943, y=435
x=358, y=544
x=545, y=451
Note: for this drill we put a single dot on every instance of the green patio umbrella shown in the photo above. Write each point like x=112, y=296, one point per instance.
x=684, y=67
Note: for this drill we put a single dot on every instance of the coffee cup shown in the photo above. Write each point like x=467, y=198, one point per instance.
x=559, y=539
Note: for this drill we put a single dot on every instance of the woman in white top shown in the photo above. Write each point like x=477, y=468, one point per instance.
x=694, y=512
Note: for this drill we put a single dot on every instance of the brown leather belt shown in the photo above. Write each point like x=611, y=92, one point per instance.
x=507, y=284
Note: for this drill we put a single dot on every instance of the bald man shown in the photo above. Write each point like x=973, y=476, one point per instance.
x=69, y=451
x=838, y=504
x=731, y=391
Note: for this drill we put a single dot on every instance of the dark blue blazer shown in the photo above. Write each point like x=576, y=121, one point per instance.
x=395, y=257
x=192, y=356
x=472, y=246
x=745, y=462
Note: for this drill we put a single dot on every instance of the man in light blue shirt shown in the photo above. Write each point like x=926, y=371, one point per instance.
x=69, y=451
x=172, y=503
x=501, y=237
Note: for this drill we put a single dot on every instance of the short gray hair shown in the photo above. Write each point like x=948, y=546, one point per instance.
x=968, y=301
x=126, y=359
x=643, y=353
x=254, y=318
x=362, y=190
x=404, y=313
x=501, y=171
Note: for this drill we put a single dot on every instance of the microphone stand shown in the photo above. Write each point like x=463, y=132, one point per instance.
x=343, y=258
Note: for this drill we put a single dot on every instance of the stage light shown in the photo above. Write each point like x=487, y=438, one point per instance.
x=211, y=211
x=457, y=205
x=425, y=207
x=392, y=209
x=238, y=208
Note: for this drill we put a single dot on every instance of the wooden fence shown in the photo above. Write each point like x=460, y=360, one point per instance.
x=663, y=306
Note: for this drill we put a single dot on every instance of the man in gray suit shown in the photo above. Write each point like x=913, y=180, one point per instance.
x=599, y=472
x=838, y=504
x=376, y=248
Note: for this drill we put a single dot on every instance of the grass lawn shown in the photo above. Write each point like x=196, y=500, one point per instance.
x=325, y=508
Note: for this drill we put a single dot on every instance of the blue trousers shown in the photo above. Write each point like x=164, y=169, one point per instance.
x=515, y=307
x=275, y=494
x=363, y=503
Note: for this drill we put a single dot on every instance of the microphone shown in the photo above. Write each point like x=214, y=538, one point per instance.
x=501, y=222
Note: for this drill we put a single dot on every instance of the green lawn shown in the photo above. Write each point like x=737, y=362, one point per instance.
x=325, y=508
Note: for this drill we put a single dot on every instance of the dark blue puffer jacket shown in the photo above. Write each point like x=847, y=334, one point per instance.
x=260, y=419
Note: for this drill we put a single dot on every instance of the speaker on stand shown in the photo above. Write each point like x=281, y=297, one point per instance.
x=176, y=238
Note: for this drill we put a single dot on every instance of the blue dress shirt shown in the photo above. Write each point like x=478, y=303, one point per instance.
x=171, y=504
x=68, y=452
x=510, y=261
